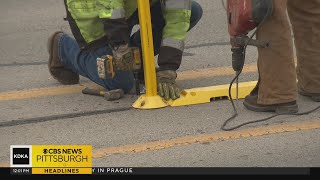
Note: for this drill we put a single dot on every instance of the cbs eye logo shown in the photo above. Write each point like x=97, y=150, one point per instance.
x=20, y=156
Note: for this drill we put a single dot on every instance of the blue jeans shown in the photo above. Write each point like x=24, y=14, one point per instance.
x=85, y=64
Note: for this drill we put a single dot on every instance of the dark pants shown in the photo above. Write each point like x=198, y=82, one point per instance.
x=84, y=63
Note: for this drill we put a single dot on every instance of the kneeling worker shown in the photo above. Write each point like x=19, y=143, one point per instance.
x=104, y=27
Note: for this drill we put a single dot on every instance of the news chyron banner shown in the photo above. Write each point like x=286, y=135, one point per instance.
x=51, y=159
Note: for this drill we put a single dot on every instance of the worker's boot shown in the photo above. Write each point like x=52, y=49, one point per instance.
x=251, y=103
x=314, y=96
x=56, y=68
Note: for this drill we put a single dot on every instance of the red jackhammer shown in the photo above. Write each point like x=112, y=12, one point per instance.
x=243, y=17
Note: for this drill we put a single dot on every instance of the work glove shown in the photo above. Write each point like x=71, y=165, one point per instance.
x=122, y=58
x=167, y=86
x=120, y=51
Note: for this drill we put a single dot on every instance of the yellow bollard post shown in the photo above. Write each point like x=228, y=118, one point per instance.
x=150, y=100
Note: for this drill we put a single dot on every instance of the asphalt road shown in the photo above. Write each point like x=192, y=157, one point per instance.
x=32, y=120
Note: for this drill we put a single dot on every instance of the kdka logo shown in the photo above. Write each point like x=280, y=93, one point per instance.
x=20, y=156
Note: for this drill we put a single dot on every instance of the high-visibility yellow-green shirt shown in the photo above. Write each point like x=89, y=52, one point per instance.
x=85, y=18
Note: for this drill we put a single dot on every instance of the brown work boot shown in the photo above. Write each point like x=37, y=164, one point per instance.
x=250, y=103
x=314, y=96
x=56, y=68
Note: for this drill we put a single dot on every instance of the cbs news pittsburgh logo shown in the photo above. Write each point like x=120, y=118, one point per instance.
x=51, y=159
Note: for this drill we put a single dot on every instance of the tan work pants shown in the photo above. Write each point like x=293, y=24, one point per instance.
x=277, y=71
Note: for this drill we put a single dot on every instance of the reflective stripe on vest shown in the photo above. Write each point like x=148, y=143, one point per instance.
x=177, y=4
x=178, y=44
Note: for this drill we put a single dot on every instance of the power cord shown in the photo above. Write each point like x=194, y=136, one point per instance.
x=261, y=120
x=235, y=114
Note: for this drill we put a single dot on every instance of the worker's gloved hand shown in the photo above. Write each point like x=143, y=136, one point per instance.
x=122, y=58
x=120, y=51
x=167, y=86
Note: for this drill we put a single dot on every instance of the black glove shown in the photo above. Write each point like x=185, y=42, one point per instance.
x=167, y=86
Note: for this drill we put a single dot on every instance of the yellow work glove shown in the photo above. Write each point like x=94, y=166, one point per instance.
x=167, y=86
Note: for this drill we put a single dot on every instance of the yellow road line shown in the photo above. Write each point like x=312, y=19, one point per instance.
x=205, y=138
x=48, y=91
x=62, y=90
x=31, y=93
